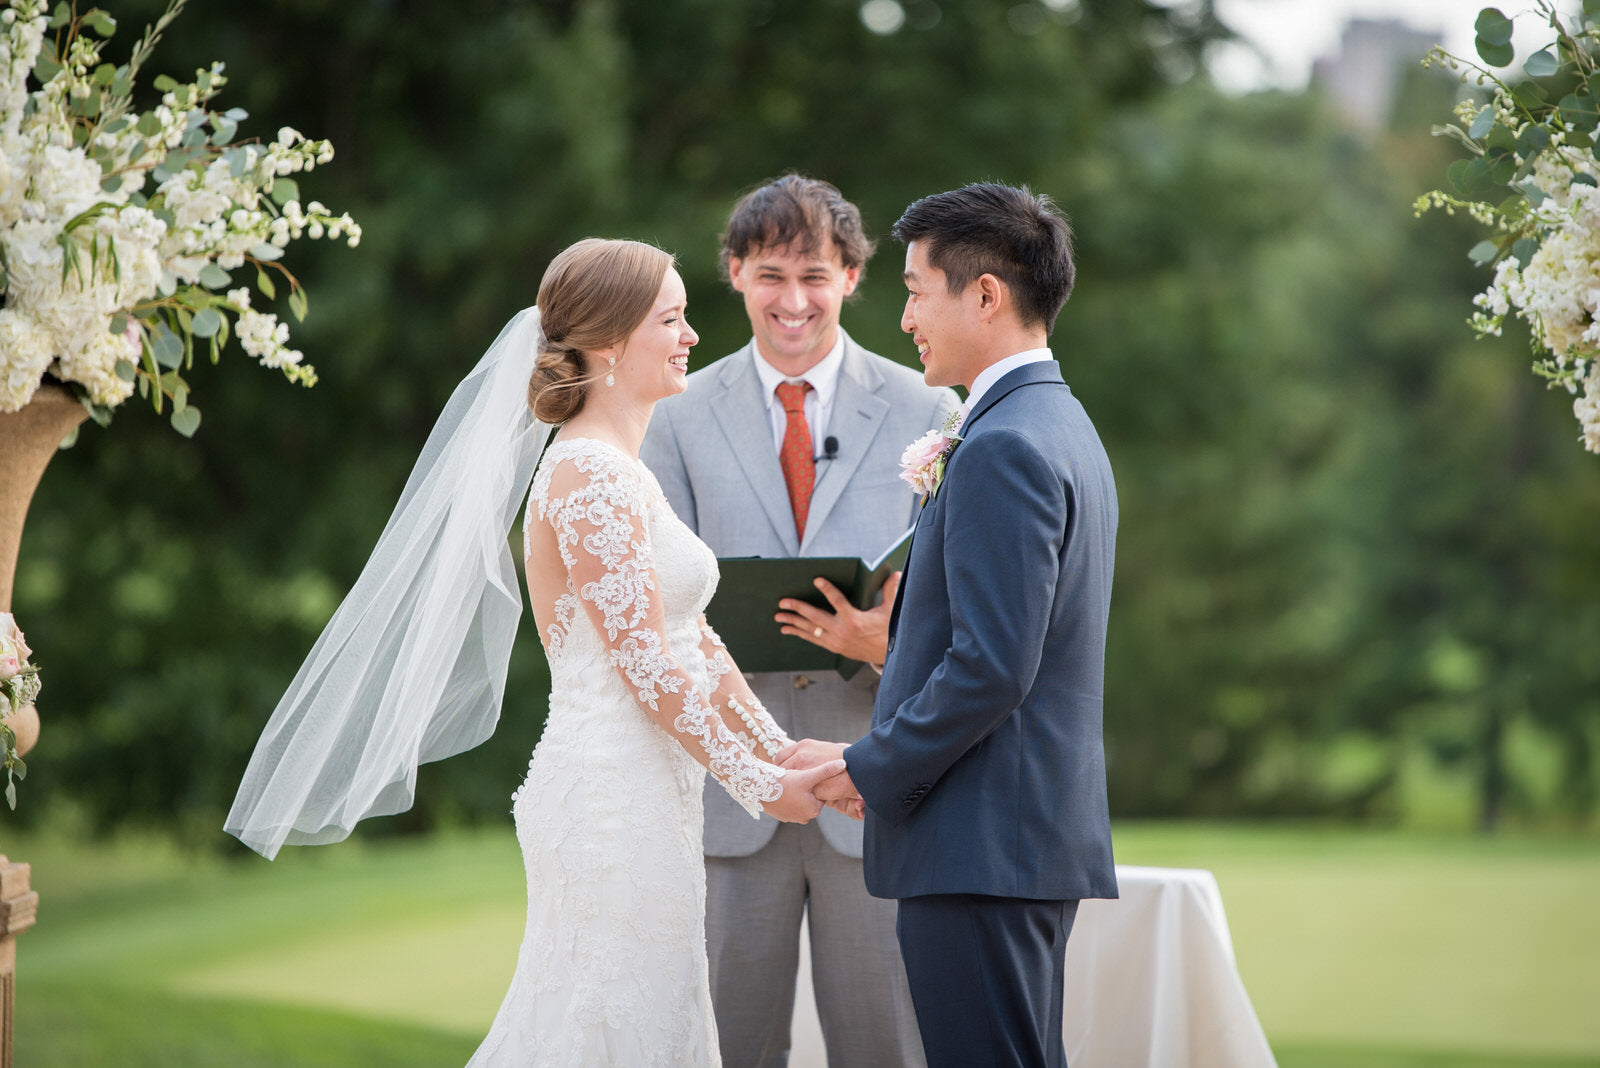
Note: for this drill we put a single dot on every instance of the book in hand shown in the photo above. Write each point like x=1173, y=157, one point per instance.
x=751, y=586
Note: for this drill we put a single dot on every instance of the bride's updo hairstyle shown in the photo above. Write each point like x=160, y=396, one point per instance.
x=592, y=296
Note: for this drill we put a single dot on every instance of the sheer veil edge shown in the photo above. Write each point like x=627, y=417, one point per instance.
x=412, y=666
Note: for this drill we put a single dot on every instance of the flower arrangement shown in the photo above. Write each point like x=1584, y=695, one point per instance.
x=19, y=685
x=1533, y=176
x=121, y=231
x=922, y=462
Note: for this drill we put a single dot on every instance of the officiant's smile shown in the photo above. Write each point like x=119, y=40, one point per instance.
x=793, y=297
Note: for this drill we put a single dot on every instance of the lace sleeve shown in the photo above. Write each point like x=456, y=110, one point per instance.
x=597, y=506
x=734, y=698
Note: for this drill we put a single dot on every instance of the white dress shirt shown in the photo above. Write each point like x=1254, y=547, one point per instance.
x=998, y=370
x=824, y=379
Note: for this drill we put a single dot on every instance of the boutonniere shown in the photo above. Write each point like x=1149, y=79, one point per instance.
x=922, y=464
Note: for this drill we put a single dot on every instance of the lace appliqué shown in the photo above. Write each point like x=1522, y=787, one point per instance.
x=602, y=528
x=763, y=729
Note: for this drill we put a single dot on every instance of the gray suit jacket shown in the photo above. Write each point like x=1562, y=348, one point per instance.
x=711, y=448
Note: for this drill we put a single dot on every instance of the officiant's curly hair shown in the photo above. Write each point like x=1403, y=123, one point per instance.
x=796, y=213
x=592, y=296
x=1017, y=235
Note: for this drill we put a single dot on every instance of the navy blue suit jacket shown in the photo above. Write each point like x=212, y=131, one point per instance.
x=984, y=771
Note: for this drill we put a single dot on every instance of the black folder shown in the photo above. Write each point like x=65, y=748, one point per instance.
x=751, y=586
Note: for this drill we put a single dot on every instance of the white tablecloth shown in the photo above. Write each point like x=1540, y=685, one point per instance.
x=1151, y=981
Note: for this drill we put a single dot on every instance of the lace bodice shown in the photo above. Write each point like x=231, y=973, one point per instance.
x=637, y=583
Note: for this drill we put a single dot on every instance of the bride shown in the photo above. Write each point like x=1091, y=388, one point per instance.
x=644, y=698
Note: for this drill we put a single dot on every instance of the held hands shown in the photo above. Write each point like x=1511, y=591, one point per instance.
x=846, y=630
x=800, y=801
x=836, y=790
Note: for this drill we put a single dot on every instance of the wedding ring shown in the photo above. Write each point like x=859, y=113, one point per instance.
x=817, y=633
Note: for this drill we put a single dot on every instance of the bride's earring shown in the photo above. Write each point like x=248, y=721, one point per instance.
x=611, y=379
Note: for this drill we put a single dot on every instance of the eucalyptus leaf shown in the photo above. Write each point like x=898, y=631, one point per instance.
x=214, y=277
x=186, y=421
x=111, y=184
x=285, y=190
x=223, y=131
x=1541, y=64
x=299, y=304
x=1530, y=94
x=1583, y=179
x=102, y=23
x=60, y=16
x=1578, y=111
x=165, y=83
x=1524, y=249
x=1591, y=10
x=1532, y=140
x=1482, y=123
x=149, y=125
x=1496, y=55
x=1483, y=252
x=264, y=283
x=267, y=251
x=207, y=321
x=125, y=370
x=1493, y=26
x=167, y=284
x=166, y=347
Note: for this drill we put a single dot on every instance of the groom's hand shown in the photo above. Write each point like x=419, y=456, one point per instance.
x=846, y=630
x=837, y=791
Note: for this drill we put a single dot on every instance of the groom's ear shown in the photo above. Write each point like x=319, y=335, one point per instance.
x=991, y=294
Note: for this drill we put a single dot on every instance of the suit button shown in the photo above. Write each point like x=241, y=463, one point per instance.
x=908, y=802
x=801, y=682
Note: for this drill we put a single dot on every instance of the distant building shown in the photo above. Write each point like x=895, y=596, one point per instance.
x=1374, y=55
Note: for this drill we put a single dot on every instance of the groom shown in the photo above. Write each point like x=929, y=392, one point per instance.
x=983, y=777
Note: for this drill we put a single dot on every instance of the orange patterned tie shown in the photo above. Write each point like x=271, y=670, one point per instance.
x=797, y=459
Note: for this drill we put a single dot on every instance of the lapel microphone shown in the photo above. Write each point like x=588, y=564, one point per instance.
x=830, y=449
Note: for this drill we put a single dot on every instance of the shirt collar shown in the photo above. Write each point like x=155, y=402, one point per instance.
x=824, y=376
x=998, y=370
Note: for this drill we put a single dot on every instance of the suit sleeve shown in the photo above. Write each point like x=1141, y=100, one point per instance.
x=662, y=454
x=1004, y=520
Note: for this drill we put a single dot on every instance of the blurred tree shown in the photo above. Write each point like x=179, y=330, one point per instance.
x=171, y=587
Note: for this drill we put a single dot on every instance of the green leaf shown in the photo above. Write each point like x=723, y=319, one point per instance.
x=1532, y=140
x=214, y=277
x=165, y=83
x=207, y=321
x=264, y=283
x=1578, y=110
x=1583, y=179
x=1496, y=55
x=1541, y=64
x=149, y=125
x=186, y=421
x=125, y=370
x=1492, y=26
x=166, y=347
x=1457, y=173
x=1591, y=10
x=1482, y=123
x=223, y=131
x=45, y=69
x=61, y=16
x=267, y=251
x=1483, y=252
x=1475, y=177
x=105, y=74
x=298, y=304
x=1530, y=94
x=285, y=190
x=100, y=22
x=1524, y=249
x=111, y=183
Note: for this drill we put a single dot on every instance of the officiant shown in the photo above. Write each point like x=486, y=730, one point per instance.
x=790, y=447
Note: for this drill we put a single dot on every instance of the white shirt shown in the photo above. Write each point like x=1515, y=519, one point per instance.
x=824, y=379
x=998, y=370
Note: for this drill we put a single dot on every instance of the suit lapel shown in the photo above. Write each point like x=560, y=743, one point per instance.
x=858, y=412
x=741, y=413
x=1045, y=372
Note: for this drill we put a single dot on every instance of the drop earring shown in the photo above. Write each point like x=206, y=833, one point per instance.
x=611, y=379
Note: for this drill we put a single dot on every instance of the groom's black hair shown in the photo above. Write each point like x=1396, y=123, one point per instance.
x=798, y=213
x=1017, y=235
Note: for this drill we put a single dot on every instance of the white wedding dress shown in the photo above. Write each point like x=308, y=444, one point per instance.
x=612, y=968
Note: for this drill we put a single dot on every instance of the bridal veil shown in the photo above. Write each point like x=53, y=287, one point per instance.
x=412, y=667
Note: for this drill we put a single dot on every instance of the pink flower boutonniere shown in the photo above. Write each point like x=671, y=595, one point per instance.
x=922, y=464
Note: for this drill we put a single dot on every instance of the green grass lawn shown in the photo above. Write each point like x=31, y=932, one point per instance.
x=1358, y=947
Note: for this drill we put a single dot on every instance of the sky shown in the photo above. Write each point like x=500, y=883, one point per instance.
x=1294, y=33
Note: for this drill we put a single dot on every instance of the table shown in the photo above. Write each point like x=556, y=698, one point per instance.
x=1151, y=981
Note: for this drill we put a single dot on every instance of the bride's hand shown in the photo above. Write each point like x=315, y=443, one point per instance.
x=798, y=803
